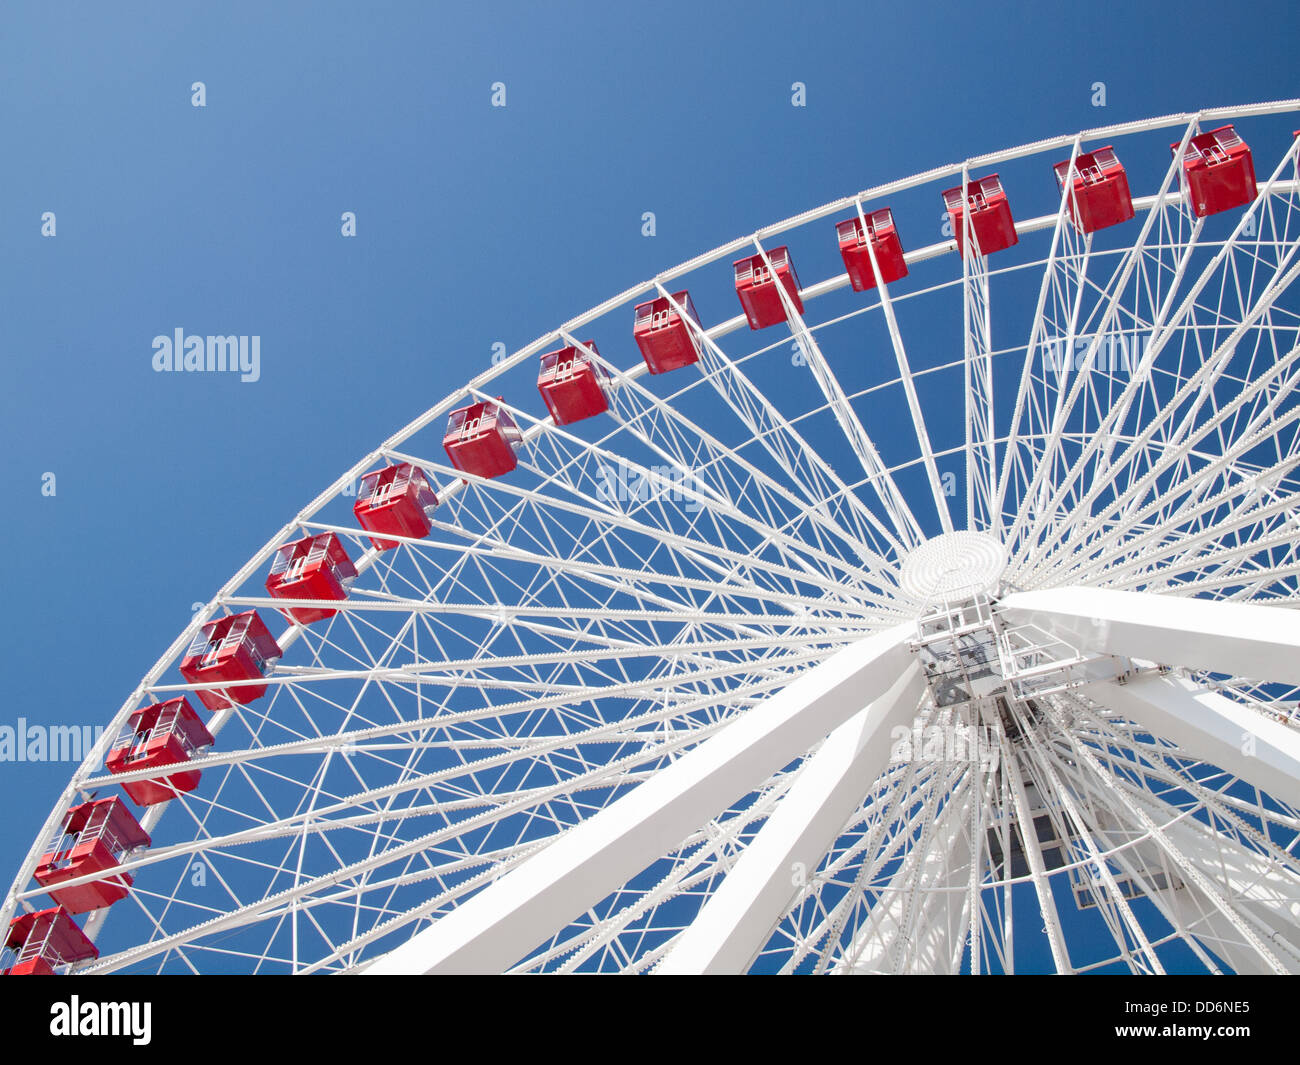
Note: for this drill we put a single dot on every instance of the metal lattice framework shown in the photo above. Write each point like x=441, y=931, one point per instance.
x=927, y=635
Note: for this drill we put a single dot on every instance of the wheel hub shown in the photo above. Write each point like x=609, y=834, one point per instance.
x=954, y=567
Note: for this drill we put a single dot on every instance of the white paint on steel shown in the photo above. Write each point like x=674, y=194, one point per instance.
x=495, y=928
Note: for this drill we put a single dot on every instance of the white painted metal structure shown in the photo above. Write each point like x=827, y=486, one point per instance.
x=925, y=635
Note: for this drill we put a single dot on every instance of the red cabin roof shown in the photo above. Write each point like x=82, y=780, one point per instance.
x=38, y=943
x=96, y=836
x=883, y=236
x=315, y=567
x=482, y=439
x=757, y=290
x=1099, y=193
x=990, y=215
x=1218, y=171
x=573, y=385
x=667, y=342
x=160, y=734
x=235, y=648
x=398, y=500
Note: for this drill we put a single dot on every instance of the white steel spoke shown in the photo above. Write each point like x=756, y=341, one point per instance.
x=878, y=476
x=981, y=456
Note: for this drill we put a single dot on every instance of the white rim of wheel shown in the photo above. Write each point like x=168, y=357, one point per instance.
x=663, y=698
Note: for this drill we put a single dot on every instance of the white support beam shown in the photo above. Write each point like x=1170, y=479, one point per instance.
x=920, y=921
x=737, y=919
x=1084, y=759
x=508, y=919
x=1242, y=639
x=1032, y=848
x=1211, y=727
x=1260, y=891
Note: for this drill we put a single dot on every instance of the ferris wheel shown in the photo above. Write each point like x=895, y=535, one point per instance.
x=938, y=615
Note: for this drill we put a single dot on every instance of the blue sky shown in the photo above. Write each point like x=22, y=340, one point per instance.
x=474, y=225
